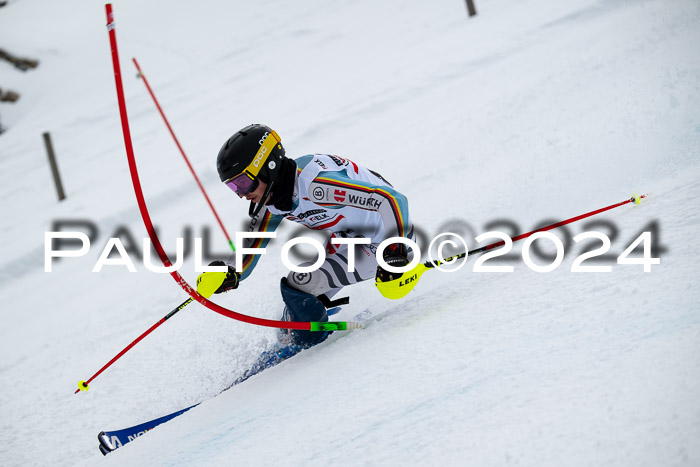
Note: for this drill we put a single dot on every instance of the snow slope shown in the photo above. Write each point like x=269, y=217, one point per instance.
x=533, y=110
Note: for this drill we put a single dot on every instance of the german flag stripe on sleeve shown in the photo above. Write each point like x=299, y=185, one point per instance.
x=249, y=259
x=370, y=190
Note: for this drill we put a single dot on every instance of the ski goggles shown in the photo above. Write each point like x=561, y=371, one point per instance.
x=247, y=181
x=242, y=184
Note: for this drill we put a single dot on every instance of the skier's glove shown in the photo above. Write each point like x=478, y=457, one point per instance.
x=209, y=283
x=394, y=255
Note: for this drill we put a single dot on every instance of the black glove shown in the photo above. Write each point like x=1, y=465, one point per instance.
x=217, y=282
x=394, y=255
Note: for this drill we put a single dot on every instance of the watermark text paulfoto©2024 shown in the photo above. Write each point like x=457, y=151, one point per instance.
x=499, y=247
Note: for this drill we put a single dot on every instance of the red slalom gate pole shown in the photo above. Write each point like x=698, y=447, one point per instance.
x=84, y=385
x=182, y=151
x=133, y=170
x=304, y=326
x=144, y=209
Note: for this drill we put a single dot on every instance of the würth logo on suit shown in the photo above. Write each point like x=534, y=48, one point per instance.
x=339, y=195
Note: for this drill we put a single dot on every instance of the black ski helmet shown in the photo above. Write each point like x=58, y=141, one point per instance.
x=239, y=151
x=255, y=151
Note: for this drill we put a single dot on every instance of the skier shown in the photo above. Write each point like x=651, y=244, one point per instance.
x=321, y=192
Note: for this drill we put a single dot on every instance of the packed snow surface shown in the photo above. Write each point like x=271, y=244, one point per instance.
x=531, y=112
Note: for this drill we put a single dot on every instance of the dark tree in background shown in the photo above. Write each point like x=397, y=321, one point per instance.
x=21, y=63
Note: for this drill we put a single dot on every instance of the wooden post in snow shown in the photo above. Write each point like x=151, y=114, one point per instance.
x=471, y=8
x=54, y=167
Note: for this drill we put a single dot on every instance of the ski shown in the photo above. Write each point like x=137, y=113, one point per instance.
x=111, y=440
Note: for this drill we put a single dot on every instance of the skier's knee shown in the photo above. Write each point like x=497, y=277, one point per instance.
x=309, y=282
x=303, y=307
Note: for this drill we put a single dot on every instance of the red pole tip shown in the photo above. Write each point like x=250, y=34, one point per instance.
x=110, y=16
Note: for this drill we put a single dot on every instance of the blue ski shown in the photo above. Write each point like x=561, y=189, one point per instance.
x=111, y=440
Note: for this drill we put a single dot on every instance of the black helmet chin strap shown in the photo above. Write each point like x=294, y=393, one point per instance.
x=280, y=191
x=255, y=209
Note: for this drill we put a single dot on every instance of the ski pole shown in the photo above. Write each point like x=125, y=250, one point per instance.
x=84, y=385
x=399, y=288
x=182, y=151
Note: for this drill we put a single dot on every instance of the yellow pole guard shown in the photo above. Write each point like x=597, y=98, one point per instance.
x=399, y=288
x=209, y=282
